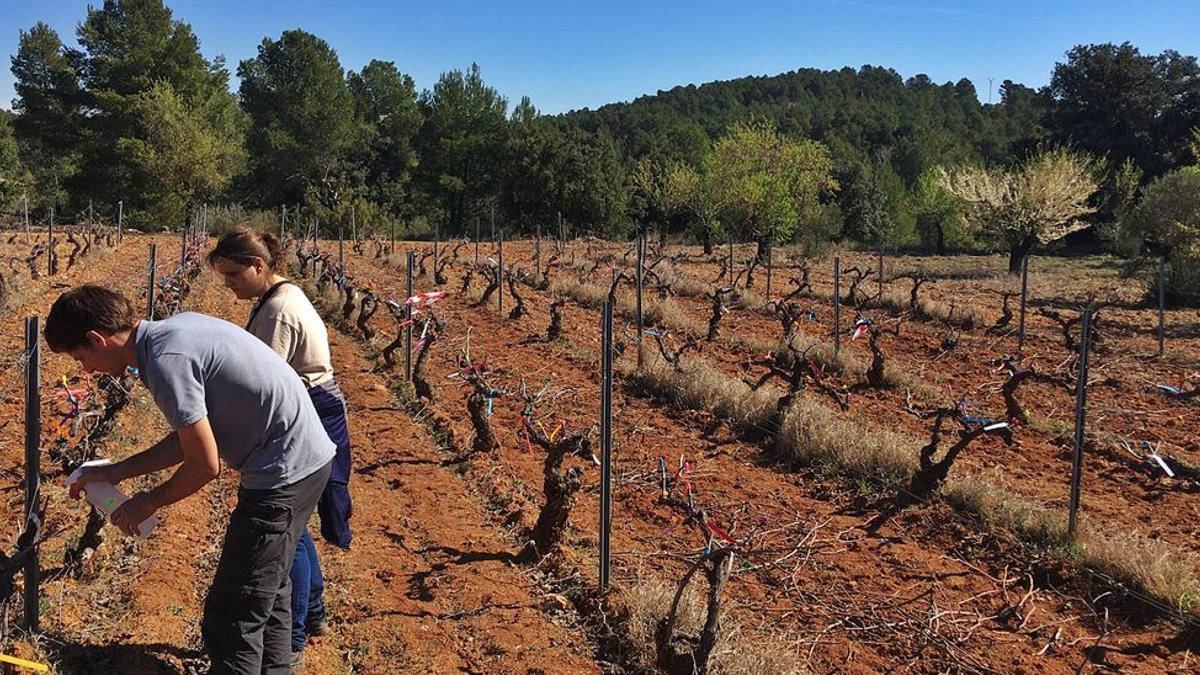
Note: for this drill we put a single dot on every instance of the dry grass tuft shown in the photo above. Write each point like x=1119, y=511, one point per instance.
x=897, y=301
x=749, y=299
x=35, y=647
x=331, y=298
x=700, y=386
x=577, y=266
x=936, y=310
x=687, y=285
x=1161, y=570
x=586, y=294
x=815, y=434
x=1001, y=508
x=846, y=363
x=668, y=313
x=649, y=601
x=810, y=432
x=843, y=362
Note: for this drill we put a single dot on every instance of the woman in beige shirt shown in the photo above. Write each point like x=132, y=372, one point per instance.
x=250, y=264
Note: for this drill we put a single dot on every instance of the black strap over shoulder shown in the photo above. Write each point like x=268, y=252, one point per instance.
x=263, y=301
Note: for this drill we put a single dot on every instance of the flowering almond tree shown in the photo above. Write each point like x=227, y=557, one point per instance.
x=1040, y=201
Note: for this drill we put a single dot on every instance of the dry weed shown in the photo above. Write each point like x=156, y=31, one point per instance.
x=815, y=434
x=668, y=313
x=737, y=651
x=1161, y=570
x=700, y=386
x=586, y=294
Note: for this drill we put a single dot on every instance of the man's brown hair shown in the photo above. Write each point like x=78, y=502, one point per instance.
x=83, y=309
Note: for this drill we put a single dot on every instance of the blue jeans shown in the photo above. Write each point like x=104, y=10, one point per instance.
x=308, y=586
x=335, y=507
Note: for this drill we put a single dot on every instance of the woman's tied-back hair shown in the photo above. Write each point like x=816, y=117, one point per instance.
x=87, y=308
x=242, y=245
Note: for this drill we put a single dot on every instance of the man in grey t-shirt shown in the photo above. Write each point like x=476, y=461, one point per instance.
x=226, y=395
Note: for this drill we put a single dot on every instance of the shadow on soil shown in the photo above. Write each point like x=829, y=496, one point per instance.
x=126, y=658
x=421, y=584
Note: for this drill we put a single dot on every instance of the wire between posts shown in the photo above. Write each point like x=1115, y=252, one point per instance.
x=926, y=500
x=1007, y=536
x=1011, y=538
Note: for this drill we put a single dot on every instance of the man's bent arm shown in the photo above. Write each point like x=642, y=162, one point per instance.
x=163, y=454
x=200, y=465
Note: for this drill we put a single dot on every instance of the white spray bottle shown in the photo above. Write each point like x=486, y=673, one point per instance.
x=107, y=498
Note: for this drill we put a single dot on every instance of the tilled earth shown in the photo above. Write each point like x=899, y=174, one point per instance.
x=439, y=578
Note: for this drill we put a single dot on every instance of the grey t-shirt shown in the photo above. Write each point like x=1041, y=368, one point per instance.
x=261, y=415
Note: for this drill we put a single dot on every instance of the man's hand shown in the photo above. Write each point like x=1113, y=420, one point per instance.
x=129, y=515
x=104, y=473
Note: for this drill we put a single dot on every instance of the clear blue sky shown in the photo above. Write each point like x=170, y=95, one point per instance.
x=566, y=54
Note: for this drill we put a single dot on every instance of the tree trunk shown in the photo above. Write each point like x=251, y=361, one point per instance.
x=941, y=240
x=706, y=239
x=1017, y=254
x=764, y=244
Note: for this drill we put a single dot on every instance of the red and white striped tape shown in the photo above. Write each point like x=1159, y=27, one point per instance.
x=424, y=299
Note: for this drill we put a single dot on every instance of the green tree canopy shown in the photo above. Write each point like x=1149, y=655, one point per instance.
x=387, y=120
x=1169, y=213
x=12, y=178
x=555, y=170
x=463, y=141
x=865, y=206
x=301, y=121
x=854, y=113
x=49, y=121
x=937, y=214
x=1112, y=100
x=176, y=158
x=131, y=49
x=1168, y=217
x=675, y=190
x=769, y=183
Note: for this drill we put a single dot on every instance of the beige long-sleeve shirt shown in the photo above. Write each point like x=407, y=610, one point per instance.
x=290, y=325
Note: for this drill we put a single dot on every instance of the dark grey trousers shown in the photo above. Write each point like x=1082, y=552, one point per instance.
x=248, y=613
